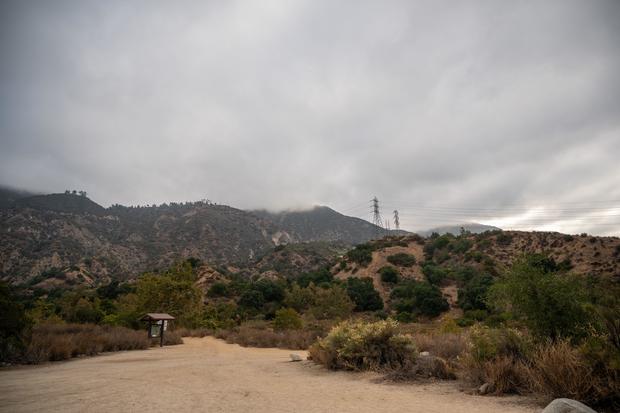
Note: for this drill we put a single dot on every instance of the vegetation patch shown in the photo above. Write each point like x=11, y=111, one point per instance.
x=358, y=345
x=402, y=259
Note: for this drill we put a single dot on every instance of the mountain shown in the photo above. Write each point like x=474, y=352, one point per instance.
x=472, y=227
x=322, y=223
x=8, y=196
x=73, y=239
x=71, y=232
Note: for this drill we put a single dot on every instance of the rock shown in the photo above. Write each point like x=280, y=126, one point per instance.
x=425, y=354
x=567, y=406
x=295, y=357
x=485, y=388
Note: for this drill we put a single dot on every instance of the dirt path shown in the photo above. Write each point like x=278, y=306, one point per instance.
x=208, y=375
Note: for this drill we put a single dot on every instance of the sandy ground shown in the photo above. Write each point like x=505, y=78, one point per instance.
x=208, y=375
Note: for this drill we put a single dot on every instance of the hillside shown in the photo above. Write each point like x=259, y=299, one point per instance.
x=447, y=257
x=67, y=239
x=322, y=223
x=65, y=233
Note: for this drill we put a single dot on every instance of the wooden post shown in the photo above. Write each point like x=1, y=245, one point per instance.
x=161, y=334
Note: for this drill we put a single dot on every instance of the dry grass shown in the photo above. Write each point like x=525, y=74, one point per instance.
x=261, y=334
x=448, y=346
x=63, y=341
x=559, y=370
x=506, y=375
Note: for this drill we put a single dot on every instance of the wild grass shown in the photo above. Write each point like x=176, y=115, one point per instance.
x=261, y=334
x=55, y=342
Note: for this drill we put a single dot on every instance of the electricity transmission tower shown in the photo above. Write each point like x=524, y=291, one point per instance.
x=396, y=220
x=376, y=215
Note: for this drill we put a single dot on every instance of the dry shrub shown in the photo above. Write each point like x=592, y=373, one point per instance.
x=506, y=375
x=358, y=345
x=425, y=367
x=557, y=369
x=172, y=338
x=448, y=346
x=55, y=342
x=256, y=336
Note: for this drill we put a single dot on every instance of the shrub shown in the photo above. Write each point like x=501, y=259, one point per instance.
x=448, y=346
x=504, y=239
x=287, y=319
x=402, y=259
x=551, y=304
x=321, y=277
x=506, y=375
x=252, y=300
x=433, y=273
x=13, y=325
x=389, y=274
x=559, y=370
x=363, y=294
x=364, y=346
x=299, y=298
x=498, y=357
x=419, y=298
x=473, y=295
x=331, y=303
x=361, y=254
x=63, y=341
x=258, y=334
x=219, y=289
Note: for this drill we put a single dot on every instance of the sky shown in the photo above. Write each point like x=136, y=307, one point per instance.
x=504, y=113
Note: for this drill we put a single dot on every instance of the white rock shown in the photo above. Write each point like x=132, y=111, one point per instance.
x=567, y=406
x=295, y=357
x=485, y=388
x=425, y=354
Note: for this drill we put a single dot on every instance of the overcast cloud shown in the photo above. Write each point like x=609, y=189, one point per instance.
x=499, y=112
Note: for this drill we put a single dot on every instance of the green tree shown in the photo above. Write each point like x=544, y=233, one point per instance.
x=362, y=292
x=419, y=298
x=553, y=304
x=300, y=299
x=331, y=303
x=402, y=259
x=178, y=297
x=13, y=325
x=473, y=295
x=389, y=274
x=287, y=319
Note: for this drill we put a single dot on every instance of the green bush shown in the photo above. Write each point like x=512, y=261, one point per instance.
x=320, y=277
x=13, y=325
x=331, y=303
x=419, y=298
x=362, y=292
x=389, y=274
x=287, y=319
x=434, y=274
x=552, y=304
x=219, y=289
x=473, y=295
x=361, y=254
x=365, y=346
x=402, y=259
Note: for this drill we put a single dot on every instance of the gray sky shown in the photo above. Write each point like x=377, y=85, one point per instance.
x=498, y=112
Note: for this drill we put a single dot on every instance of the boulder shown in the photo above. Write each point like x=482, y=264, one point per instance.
x=295, y=357
x=567, y=406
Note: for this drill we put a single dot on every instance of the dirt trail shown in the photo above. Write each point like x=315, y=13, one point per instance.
x=208, y=375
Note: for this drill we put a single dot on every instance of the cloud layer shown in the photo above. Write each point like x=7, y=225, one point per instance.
x=506, y=113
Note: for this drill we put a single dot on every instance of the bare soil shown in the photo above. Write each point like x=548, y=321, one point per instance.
x=208, y=375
